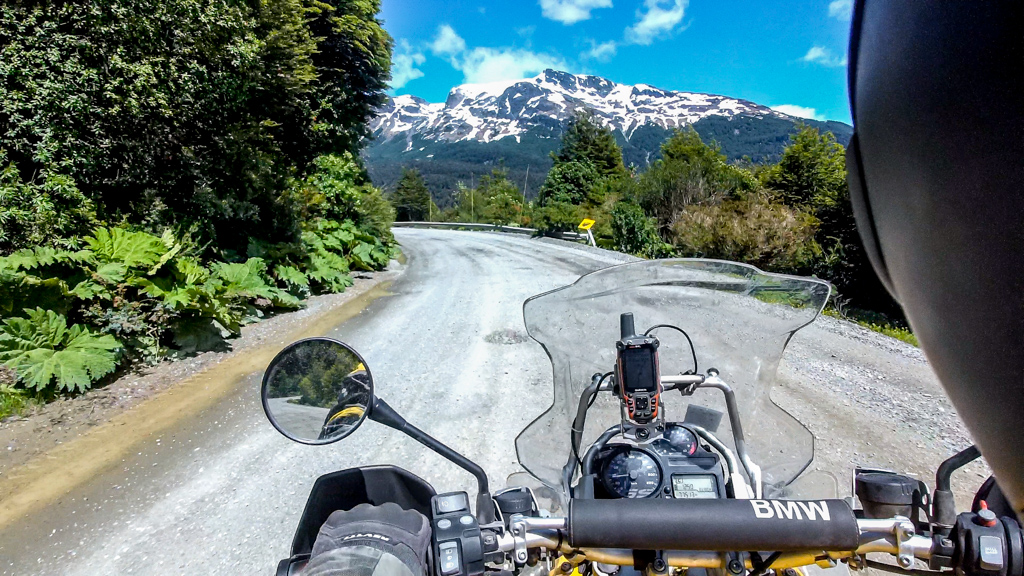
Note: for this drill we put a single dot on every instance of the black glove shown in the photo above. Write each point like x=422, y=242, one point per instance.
x=371, y=541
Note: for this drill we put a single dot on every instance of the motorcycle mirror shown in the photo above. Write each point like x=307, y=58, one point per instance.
x=317, y=391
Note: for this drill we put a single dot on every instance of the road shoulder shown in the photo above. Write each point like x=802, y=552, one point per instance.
x=92, y=430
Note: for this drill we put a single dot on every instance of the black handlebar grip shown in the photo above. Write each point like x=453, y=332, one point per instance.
x=713, y=525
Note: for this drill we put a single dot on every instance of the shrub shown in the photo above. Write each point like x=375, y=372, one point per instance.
x=49, y=211
x=569, y=182
x=556, y=217
x=634, y=233
x=689, y=173
x=754, y=230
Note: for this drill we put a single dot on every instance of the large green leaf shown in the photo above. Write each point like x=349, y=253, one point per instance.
x=19, y=290
x=131, y=249
x=242, y=280
x=39, y=257
x=248, y=281
x=44, y=352
x=362, y=256
x=88, y=289
x=291, y=276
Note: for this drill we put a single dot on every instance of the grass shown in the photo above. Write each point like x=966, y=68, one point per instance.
x=14, y=402
x=875, y=322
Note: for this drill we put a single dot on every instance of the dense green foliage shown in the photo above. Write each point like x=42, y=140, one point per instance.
x=411, y=198
x=179, y=111
x=811, y=176
x=493, y=200
x=133, y=295
x=503, y=204
x=690, y=173
x=172, y=170
x=793, y=216
x=584, y=140
x=636, y=233
x=588, y=164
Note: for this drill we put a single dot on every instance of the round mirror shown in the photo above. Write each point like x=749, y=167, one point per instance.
x=317, y=391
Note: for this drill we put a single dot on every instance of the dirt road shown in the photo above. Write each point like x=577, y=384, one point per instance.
x=220, y=491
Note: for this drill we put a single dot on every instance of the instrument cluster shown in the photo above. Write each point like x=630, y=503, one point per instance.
x=672, y=466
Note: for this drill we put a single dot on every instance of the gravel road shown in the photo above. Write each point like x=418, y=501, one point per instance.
x=223, y=492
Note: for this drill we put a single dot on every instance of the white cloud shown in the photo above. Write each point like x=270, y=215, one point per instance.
x=840, y=9
x=824, y=56
x=482, y=65
x=601, y=52
x=656, y=21
x=403, y=65
x=798, y=111
x=447, y=42
x=571, y=11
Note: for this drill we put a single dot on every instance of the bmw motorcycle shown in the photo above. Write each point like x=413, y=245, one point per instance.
x=661, y=453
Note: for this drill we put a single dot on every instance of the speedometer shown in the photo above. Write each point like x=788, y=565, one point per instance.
x=632, y=474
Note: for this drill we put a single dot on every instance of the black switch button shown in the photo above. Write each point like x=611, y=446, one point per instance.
x=452, y=503
x=448, y=558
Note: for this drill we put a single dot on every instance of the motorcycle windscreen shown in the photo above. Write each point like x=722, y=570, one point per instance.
x=739, y=319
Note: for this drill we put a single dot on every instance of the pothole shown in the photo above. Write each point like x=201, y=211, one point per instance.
x=506, y=336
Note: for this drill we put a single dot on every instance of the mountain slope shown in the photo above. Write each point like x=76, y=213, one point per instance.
x=517, y=124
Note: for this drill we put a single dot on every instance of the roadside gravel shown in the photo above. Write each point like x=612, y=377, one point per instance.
x=23, y=438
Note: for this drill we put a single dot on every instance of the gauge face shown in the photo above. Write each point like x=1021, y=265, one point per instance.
x=681, y=439
x=632, y=474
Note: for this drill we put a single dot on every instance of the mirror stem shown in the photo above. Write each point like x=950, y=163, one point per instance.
x=386, y=415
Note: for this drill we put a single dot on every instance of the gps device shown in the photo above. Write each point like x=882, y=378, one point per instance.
x=636, y=368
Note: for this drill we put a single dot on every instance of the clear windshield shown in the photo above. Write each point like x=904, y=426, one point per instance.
x=740, y=320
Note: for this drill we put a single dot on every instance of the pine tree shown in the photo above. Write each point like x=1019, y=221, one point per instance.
x=586, y=140
x=411, y=198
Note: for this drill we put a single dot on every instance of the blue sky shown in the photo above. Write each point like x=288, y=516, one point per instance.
x=788, y=54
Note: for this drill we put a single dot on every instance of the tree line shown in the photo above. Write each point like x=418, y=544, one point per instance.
x=171, y=170
x=792, y=216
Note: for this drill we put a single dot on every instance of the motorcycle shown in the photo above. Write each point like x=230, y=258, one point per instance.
x=662, y=451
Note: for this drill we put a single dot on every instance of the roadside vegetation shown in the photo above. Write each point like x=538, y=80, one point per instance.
x=792, y=216
x=167, y=178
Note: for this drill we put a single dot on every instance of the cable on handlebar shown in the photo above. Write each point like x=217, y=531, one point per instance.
x=579, y=431
x=762, y=566
x=693, y=350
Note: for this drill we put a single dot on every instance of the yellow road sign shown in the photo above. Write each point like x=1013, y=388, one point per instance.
x=586, y=224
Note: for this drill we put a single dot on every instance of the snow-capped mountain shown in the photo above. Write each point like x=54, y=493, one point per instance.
x=489, y=112
x=517, y=124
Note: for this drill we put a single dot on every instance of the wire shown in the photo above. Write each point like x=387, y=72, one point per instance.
x=761, y=567
x=572, y=438
x=683, y=332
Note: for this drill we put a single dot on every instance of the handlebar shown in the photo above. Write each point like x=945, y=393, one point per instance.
x=714, y=525
x=697, y=533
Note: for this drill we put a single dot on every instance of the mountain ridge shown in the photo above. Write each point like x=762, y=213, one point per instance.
x=475, y=128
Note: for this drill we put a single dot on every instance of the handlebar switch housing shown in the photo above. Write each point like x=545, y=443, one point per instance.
x=987, y=548
x=457, y=541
